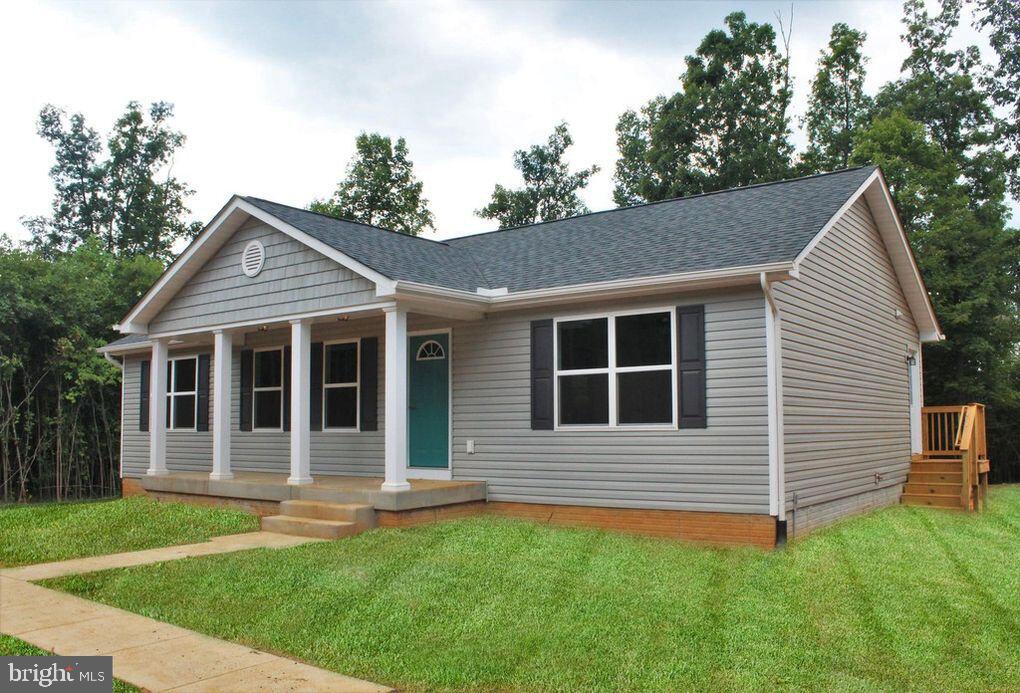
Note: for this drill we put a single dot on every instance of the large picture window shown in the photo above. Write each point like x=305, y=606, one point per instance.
x=616, y=370
x=181, y=393
x=340, y=386
x=267, y=397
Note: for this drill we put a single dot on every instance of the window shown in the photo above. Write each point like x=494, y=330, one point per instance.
x=340, y=386
x=616, y=370
x=181, y=393
x=268, y=389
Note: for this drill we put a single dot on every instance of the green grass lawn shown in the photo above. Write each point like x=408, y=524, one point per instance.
x=58, y=531
x=12, y=647
x=905, y=598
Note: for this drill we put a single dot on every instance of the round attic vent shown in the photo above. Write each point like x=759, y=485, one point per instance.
x=252, y=259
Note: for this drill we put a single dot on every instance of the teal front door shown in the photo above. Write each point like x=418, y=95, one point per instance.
x=428, y=401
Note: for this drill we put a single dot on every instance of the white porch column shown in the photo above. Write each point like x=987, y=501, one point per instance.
x=157, y=409
x=222, y=361
x=300, y=383
x=396, y=400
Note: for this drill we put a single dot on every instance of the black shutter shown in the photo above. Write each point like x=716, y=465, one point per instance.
x=542, y=375
x=691, y=371
x=315, y=391
x=286, y=388
x=202, y=387
x=368, y=388
x=247, y=383
x=143, y=396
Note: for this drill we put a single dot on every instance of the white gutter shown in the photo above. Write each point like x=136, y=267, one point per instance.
x=774, y=372
x=111, y=359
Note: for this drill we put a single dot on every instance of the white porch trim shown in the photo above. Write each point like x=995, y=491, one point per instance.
x=300, y=408
x=157, y=408
x=395, y=423
x=223, y=345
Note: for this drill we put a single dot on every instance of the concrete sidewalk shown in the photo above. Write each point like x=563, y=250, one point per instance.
x=148, y=653
x=224, y=544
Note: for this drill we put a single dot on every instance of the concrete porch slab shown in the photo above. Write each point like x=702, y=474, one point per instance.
x=265, y=486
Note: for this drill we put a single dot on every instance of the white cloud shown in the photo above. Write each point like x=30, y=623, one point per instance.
x=271, y=100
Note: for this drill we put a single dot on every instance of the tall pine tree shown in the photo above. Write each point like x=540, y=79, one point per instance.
x=380, y=188
x=838, y=106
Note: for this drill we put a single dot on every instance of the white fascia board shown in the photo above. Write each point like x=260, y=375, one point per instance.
x=384, y=285
x=897, y=244
x=136, y=321
x=131, y=323
x=833, y=219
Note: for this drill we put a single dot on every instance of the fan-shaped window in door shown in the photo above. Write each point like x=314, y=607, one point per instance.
x=430, y=351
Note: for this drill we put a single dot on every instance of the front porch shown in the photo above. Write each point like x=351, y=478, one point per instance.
x=269, y=488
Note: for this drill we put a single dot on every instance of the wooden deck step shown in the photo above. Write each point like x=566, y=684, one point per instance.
x=919, y=488
x=938, y=466
x=309, y=527
x=936, y=477
x=931, y=499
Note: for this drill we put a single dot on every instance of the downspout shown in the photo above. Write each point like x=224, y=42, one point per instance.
x=774, y=378
x=113, y=360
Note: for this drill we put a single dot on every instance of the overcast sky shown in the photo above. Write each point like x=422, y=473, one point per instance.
x=271, y=95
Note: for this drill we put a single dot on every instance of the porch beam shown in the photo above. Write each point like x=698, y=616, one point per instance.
x=157, y=409
x=395, y=424
x=222, y=362
x=300, y=383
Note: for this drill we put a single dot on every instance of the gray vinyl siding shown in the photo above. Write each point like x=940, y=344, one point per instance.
x=721, y=468
x=294, y=279
x=331, y=452
x=185, y=450
x=845, y=381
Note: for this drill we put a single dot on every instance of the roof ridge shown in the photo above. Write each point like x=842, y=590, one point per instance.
x=348, y=221
x=671, y=199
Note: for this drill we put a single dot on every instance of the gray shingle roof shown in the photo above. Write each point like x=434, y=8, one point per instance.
x=758, y=224
x=395, y=255
x=129, y=340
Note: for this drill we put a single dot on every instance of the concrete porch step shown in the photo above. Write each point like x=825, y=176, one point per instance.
x=309, y=527
x=357, y=513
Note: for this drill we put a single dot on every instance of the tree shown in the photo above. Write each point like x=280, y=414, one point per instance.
x=550, y=189
x=941, y=91
x=1001, y=18
x=59, y=399
x=380, y=188
x=129, y=199
x=727, y=126
x=838, y=106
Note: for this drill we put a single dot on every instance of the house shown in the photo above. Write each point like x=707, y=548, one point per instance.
x=734, y=366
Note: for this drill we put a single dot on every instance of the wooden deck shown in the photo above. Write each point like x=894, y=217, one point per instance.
x=952, y=469
x=271, y=489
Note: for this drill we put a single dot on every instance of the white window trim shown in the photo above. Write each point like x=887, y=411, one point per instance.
x=612, y=370
x=255, y=389
x=172, y=394
x=356, y=385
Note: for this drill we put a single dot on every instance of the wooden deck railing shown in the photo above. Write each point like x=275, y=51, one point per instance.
x=958, y=433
